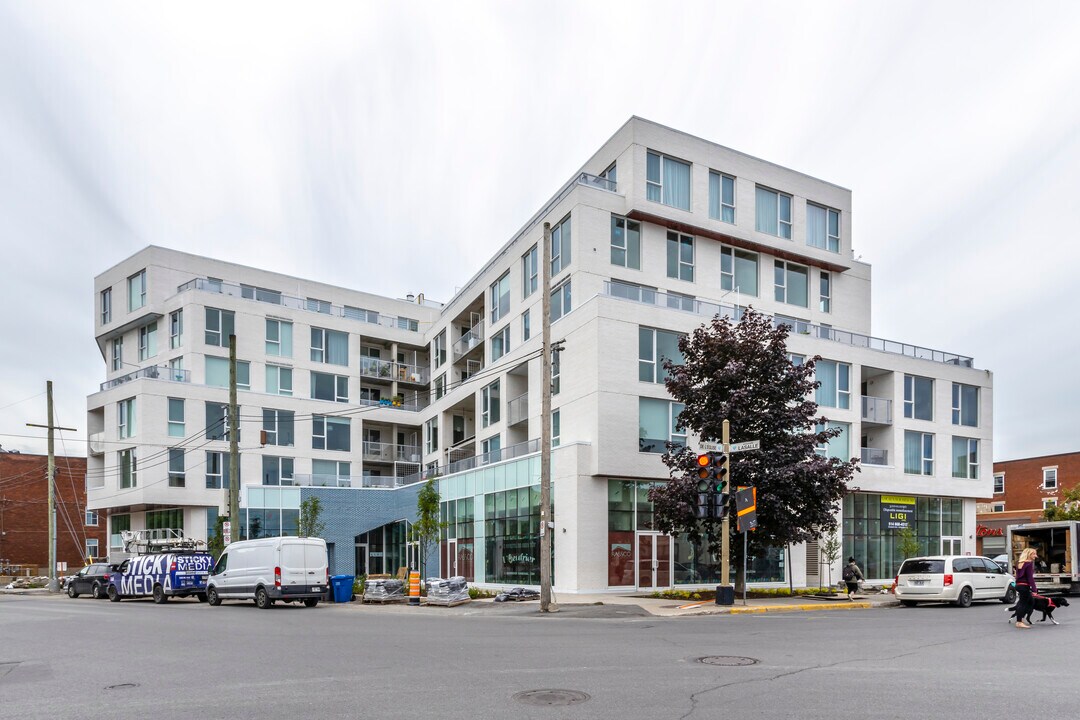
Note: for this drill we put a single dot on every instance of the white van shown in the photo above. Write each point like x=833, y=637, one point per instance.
x=958, y=579
x=280, y=568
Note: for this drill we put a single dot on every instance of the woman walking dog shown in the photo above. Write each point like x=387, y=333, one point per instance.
x=1025, y=585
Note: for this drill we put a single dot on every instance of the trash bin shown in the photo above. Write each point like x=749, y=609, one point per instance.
x=343, y=587
x=725, y=594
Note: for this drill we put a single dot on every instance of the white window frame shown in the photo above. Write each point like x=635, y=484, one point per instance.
x=272, y=425
x=440, y=386
x=680, y=240
x=176, y=428
x=556, y=428
x=655, y=362
x=997, y=507
x=561, y=300
x=958, y=404
x=659, y=183
x=221, y=336
x=490, y=412
x=727, y=279
x=999, y=477
x=842, y=399
x=92, y=548
x=909, y=404
x=561, y=238
x=91, y=519
x=125, y=418
x=526, y=329
x=176, y=471
x=338, y=397
x=530, y=271
x=722, y=177
x=147, y=341
x=176, y=328
x=438, y=348
x=556, y=372
x=118, y=353
x=320, y=432
x=279, y=371
x=133, y=480
x=923, y=457
x=825, y=291
x=500, y=340
x=431, y=435
x=1049, y=503
x=781, y=223
x=139, y=280
x=106, y=306
x=973, y=467
x=673, y=415
x=497, y=296
x=320, y=346
x=316, y=305
x=274, y=346
x=832, y=242
x=1047, y=473
x=784, y=265
x=216, y=467
x=625, y=247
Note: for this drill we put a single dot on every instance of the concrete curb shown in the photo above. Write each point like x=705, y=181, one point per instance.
x=801, y=608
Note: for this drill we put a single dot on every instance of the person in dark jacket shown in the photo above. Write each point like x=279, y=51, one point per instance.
x=1025, y=585
x=852, y=575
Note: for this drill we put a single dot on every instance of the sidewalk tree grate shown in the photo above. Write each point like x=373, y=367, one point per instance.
x=551, y=698
x=727, y=660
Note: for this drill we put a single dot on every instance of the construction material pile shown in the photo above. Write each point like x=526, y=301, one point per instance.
x=447, y=592
x=387, y=590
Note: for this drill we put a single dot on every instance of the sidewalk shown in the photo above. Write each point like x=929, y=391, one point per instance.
x=663, y=607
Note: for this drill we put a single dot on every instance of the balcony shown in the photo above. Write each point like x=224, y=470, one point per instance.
x=469, y=341
x=96, y=443
x=389, y=371
x=154, y=372
x=517, y=410
x=353, y=481
x=876, y=410
x=656, y=298
x=275, y=298
x=418, y=401
x=874, y=456
x=597, y=182
x=389, y=452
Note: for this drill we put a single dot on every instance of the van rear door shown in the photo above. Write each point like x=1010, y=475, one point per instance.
x=293, y=569
x=316, y=562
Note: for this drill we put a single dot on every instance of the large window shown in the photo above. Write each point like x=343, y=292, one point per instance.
x=500, y=343
x=560, y=301
x=329, y=346
x=279, y=426
x=499, y=297
x=118, y=353
x=329, y=387
x=177, y=476
x=1050, y=479
x=136, y=291
x=438, y=349
x=680, y=256
x=106, y=306
x=431, y=435
x=625, y=243
x=918, y=397
x=667, y=180
x=965, y=405
x=489, y=405
x=332, y=469
x=125, y=418
x=823, y=227
x=738, y=270
x=278, y=338
x=835, y=388
x=217, y=373
x=560, y=246
x=721, y=197
x=877, y=549
x=217, y=421
x=825, y=292
x=918, y=453
x=838, y=447
x=276, y=469
x=511, y=535
x=128, y=468
x=791, y=283
x=172, y=519
x=658, y=424
x=655, y=346
x=220, y=324
x=530, y=271
x=773, y=213
x=176, y=417
x=999, y=483
x=148, y=341
x=217, y=470
x=279, y=380
x=330, y=433
x=965, y=460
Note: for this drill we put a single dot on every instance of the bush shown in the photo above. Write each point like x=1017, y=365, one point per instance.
x=475, y=592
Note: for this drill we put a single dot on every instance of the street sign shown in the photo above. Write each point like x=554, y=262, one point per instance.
x=748, y=445
x=707, y=446
x=226, y=532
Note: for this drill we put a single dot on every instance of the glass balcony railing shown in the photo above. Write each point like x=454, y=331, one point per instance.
x=311, y=305
x=469, y=341
x=876, y=410
x=346, y=481
x=650, y=296
x=154, y=372
x=389, y=371
x=517, y=410
x=874, y=456
x=596, y=181
x=412, y=402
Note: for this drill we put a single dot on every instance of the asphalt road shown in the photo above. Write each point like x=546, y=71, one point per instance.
x=63, y=658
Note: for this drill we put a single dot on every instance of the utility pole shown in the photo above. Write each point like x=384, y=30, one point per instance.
x=234, y=446
x=545, y=427
x=54, y=586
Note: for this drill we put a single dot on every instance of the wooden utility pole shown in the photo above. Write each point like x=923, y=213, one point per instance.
x=545, y=426
x=234, y=446
x=54, y=586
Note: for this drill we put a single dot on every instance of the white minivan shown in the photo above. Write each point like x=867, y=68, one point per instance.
x=958, y=579
x=290, y=569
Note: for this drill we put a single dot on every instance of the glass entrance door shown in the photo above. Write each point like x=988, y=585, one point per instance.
x=951, y=546
x=653, y=561
x=451, y=560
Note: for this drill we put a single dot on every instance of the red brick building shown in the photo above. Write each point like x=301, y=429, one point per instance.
x=1022, y=490
x=24, y=519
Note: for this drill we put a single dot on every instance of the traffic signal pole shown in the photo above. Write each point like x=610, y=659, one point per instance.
x=725, y=541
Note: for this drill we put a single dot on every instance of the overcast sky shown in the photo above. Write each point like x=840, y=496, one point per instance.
x=393, y=147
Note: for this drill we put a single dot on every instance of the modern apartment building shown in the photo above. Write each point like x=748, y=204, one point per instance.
x=657, y=233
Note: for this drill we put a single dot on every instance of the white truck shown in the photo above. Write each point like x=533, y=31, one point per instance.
x=1057, y=569
x=290, y=569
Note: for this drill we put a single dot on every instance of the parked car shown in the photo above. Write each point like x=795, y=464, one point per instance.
x=290, y=569
x=959, y=579
x=161, y=576
x=92, y=580
x=1002, y=562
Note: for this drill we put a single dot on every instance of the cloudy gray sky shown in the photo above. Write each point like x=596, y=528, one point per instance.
x=394, y=146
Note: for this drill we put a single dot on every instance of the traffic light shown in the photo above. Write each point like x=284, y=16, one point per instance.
x=712, y=484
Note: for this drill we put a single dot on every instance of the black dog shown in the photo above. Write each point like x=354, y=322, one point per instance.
x=1044, y=605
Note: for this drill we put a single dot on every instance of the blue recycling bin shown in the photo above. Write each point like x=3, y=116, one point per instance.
x=343, y=587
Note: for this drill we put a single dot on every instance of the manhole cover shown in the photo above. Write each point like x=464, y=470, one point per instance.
x=551, y=698
x=727, y=660
x=121, y=686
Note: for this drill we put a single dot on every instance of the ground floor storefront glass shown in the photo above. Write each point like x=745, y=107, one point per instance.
x=385, y=550
x=938, y=525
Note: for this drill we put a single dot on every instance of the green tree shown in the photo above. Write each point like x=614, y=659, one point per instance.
x=1068, y=508
x=830, y=552
x=741, y=372
x=908, y=544
x=428, y=527
x=310, y=512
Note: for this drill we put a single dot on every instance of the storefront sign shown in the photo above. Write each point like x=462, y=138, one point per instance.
x=984, y=531
x=897, y=512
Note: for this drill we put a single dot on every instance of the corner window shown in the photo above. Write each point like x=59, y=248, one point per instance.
x=721, y=197
x=680, y=256
x=500, y=343
x=489, y=405
x=825, y=292
x=918, y=453
x=530, y=271
x=499, y=294
x=1050, y=478
x=177, y=475
x=773, y=213
x=658, y=424
x=279, y=380
x=106, y=306
x=136, y=291
x=329, y=346
x=838, y=447
x=279, y=338
x=655, y=346
x=790, y=283
x=999, y=483
x=176, y=417
x=625, y=243
x=330, y=433
x=738, y=270
x=834, y=389
x=965, y=458
x=667, y=180
x=918, y=397
x=176, y=329
x=965, y=405
x=560, y=301
x=220, y=324
x=560, y=246
x=823, y=227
